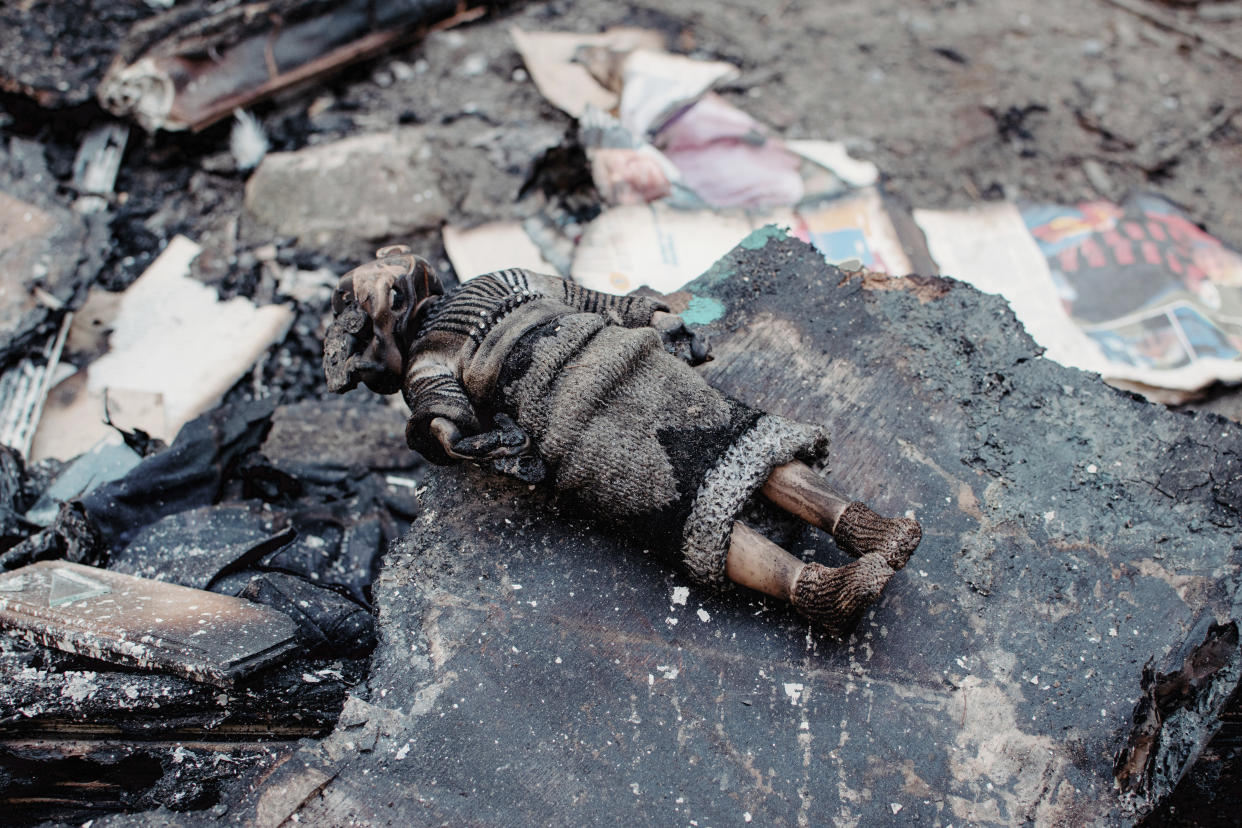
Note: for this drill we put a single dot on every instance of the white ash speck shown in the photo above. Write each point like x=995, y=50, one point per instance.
x=704, y=616
x=401, y=71
x=80, y=687
x=680, y=594
x=671, y=621
x=247, y=141
x=793, y=690
x=474, y=65
x=401, y=754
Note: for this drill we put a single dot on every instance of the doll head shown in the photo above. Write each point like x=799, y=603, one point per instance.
x=377, y=306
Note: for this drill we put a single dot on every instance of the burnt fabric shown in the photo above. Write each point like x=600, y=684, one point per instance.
x=626, y=429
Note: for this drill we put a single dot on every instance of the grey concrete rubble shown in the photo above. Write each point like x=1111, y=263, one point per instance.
x=380, y=185
x=1080, y=556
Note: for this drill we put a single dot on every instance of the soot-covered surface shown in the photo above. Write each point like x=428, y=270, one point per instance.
x=535, y=670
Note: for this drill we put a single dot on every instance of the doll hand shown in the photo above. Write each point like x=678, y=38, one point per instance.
x=529, y=468
x=505, y=440
x=678, y=340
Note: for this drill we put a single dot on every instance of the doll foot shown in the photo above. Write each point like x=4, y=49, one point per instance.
x=861, y=531
x=834, y=598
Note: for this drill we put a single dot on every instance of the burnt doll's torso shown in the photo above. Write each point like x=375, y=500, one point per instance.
x=624, y=427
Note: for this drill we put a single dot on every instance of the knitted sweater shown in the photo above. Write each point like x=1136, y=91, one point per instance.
x=625, y=428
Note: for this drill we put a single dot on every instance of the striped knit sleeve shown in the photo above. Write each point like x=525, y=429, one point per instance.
x=629, y=311
x=430, y=394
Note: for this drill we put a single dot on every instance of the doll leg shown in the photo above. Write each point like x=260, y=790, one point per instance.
x=796, y=488
x=833, y=598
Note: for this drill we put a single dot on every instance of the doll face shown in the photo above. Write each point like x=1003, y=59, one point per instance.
x=376, y=305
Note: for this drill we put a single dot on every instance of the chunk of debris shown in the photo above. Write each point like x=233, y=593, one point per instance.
x=55, y=51
x=380, y=183
x=96, y=166
x=171, y=337
x=44, y=260
x=135, y=621
x=198, y=62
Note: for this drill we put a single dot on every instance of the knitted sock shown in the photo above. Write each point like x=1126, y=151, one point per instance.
x=861, y=531
x=834, y=598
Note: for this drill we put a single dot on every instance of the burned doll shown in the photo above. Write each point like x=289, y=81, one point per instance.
x=547, y=381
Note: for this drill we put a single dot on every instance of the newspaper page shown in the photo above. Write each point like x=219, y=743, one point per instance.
x=1135, y=292
x=493, y=246
x=663, y=247
x=660, y=246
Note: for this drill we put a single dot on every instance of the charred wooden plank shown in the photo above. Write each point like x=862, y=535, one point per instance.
x=73, y=781
x=1079, y=544
x=197, y=63
x=59, y=696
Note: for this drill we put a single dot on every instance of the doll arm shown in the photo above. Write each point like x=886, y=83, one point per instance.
x=627, y=311
x=444, y=426
x=434, y=393
x=630, y=312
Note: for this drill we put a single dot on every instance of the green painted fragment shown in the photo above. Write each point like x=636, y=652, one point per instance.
x=715, y=277
x=759, y=238
x=703, y=310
